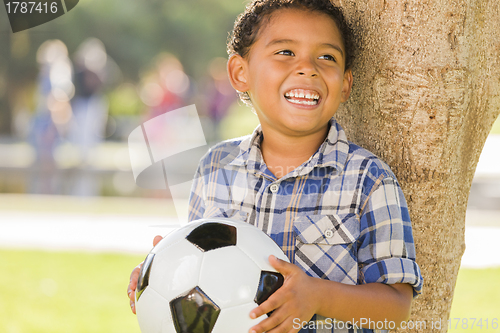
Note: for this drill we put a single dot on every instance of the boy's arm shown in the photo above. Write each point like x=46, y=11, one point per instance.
x=386, y=259
x=302, y=296
x=375, y=301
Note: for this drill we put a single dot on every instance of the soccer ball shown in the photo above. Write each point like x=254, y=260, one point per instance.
x=206, y=277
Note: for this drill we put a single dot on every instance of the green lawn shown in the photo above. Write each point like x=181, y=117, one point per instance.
x=56, y=292
x=63, y=292
x=476, y=301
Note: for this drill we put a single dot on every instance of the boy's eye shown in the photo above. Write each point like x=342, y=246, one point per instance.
x=286, y=52
x=328, y=57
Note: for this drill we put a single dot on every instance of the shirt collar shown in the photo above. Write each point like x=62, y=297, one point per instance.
x=333, y=152
x=249, y=148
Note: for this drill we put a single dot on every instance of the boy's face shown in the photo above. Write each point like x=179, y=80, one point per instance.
x=294, y=72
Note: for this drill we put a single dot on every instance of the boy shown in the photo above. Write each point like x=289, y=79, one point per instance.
x=334, y=208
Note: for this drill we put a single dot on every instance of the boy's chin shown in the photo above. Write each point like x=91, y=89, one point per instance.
x=300, y=129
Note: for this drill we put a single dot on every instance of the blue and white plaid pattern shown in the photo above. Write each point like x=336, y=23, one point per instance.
x=340, y=216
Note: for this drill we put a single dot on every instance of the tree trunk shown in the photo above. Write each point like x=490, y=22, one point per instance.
x=426, y=93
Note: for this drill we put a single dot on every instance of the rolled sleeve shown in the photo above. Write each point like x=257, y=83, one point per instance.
x=394, y=270
x=386, y=251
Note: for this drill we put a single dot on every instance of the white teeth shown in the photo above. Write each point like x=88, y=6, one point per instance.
x=296, y=93
x=313, y=102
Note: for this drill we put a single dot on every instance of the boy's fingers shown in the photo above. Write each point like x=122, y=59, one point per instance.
x=131, y=295
x=285, y=327
x=157, y=239
x=274, y=324
x=135, y=272
x=132, y=306
x=282, y=266
x=271, y=304
x=132, y=285
x=134, y=276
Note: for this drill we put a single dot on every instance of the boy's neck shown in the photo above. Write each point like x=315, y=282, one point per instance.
x=283, y=153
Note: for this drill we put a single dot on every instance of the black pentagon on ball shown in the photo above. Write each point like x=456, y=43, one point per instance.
x=213, y=235
x=269, y=282
x=194, y=312
x=143, y=280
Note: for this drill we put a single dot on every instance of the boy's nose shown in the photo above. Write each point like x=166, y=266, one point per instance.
x=312, y=74
x=307, y=68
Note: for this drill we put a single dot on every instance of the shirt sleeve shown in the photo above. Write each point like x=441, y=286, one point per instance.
x=196, y=202
x=386, y=251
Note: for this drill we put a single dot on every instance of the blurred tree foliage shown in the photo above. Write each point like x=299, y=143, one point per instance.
x=133, y=32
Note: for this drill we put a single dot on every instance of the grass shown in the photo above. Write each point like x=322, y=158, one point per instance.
x=60, y=292
x=477, y=295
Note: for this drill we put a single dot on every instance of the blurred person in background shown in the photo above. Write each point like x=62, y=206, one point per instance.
x=220, y=95
x=52, y=114
x=90, y=112
x=167, y=87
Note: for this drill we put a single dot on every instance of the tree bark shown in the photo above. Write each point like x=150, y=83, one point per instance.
x=426, y=93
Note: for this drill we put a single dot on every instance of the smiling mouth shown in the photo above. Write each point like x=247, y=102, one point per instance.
x=302, y=96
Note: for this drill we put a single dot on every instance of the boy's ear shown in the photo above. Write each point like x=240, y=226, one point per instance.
x=237, y=70
x=347, y=85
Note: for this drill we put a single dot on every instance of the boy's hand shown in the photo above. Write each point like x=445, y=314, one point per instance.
x=134, y=277
x=295, y=299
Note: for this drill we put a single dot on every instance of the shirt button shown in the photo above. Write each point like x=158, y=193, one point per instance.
x=274, y=188
x=329, y=233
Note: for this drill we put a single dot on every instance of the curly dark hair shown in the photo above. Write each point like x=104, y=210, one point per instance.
x=248, y=23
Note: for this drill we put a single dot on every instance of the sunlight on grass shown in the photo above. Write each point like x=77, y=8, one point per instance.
x=476, y=301
x=56, y=292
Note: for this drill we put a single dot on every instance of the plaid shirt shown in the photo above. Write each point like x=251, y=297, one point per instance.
x=340, y=216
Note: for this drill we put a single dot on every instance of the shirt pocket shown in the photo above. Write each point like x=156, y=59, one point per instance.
x=216, y=212
x=325, y=246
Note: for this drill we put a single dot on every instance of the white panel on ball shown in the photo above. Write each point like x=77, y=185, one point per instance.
x=176, y=270
x=229, y=284
x=258, y=248
x=154, y=306
x=231, y=318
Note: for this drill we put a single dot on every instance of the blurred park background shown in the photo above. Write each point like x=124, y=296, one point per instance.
x=73, y=223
